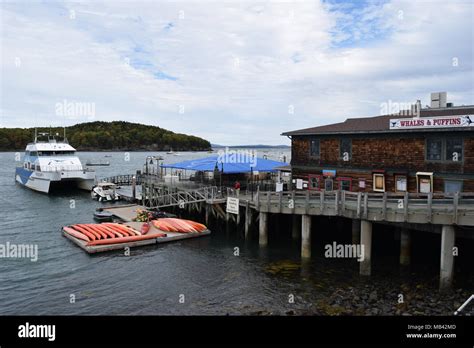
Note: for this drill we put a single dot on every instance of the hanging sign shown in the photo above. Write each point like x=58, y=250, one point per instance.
x=329, y=173
x=232, y=206
x=432, y=122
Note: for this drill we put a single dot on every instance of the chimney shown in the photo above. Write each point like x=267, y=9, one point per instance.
x=438, y=100
x=416, y=108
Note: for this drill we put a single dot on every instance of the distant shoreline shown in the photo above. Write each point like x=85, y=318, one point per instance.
x=145, y=150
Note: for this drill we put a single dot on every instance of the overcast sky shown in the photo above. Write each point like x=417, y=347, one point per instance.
x=231, y=72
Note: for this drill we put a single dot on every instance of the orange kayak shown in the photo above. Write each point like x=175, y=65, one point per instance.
x=93, y=229
x=84, y=231
x=178, y=225
x=122, y=229
x=126, y=239
x=76, y=234
x=104, y=230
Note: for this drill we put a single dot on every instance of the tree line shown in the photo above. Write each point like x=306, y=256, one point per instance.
x=116, y=135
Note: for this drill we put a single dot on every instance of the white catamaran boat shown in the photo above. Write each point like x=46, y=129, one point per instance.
x=51, y=162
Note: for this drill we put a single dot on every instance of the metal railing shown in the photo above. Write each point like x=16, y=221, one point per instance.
x=126, y=179
x=164, y=196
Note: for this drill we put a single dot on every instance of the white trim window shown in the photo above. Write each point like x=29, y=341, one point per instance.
x=379, y=182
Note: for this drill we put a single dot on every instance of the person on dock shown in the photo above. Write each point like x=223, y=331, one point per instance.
x=237, y=188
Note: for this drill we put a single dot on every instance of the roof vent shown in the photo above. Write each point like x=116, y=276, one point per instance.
x=438, y=100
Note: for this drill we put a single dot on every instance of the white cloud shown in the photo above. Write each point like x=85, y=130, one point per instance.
x=239, y=66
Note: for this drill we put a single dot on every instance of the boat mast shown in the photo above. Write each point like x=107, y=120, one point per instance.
x=36, y=135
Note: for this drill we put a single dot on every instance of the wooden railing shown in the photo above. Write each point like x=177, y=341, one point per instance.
x=436, y=208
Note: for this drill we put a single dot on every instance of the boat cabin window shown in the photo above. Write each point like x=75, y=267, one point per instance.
x=55, y=153
x=33, y=153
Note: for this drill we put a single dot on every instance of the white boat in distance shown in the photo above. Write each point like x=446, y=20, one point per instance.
x=51, y=162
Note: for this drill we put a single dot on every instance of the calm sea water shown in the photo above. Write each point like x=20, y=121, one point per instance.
x=153, y=279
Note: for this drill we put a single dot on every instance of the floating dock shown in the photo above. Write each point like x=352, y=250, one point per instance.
x=126, y=213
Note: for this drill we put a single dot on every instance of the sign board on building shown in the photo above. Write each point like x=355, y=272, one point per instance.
x=279, y=187
x=432, y=122
x=232, y=206
x=299, y=184
x=330, y=173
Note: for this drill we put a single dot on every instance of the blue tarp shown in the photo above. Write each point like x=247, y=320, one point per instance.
x=229, y=164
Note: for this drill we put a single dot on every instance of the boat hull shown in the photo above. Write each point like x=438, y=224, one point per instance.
x=42, y=181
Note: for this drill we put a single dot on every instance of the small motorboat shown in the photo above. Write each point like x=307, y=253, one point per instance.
x=103, y=216
x=105, y=191
x=97, y=164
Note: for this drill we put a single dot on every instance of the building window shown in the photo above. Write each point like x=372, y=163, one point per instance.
x=328, y=184
x=379, y=182
x=454, y=149
x=448, y=150
x=345, y=184
x=434, y=149
x=346, y=149
x=452, y=186
x=424, y=182
x=400, y=183
x=314, y=148
x=314, y=182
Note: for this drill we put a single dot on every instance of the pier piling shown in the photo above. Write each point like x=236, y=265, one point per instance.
x=366, y=241
x=447, y=257
x=306, y=236
x=295, y=227
x=248, y=220
x=405, y=246
x=355, y=231
x=263, y=229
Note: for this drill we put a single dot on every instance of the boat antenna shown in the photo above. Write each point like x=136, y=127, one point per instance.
x=65, y=139
x=36, y=134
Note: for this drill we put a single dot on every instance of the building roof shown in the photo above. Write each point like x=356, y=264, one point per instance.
x=228, y=165
x=380, y=124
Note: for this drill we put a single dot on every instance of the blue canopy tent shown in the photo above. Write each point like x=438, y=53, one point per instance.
x=228, y=165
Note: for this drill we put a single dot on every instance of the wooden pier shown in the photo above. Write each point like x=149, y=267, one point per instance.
x=437, y=213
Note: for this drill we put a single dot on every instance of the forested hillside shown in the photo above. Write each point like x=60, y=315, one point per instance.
x=117, y=135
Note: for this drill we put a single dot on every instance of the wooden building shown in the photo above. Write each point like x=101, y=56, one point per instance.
x=431, y=150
